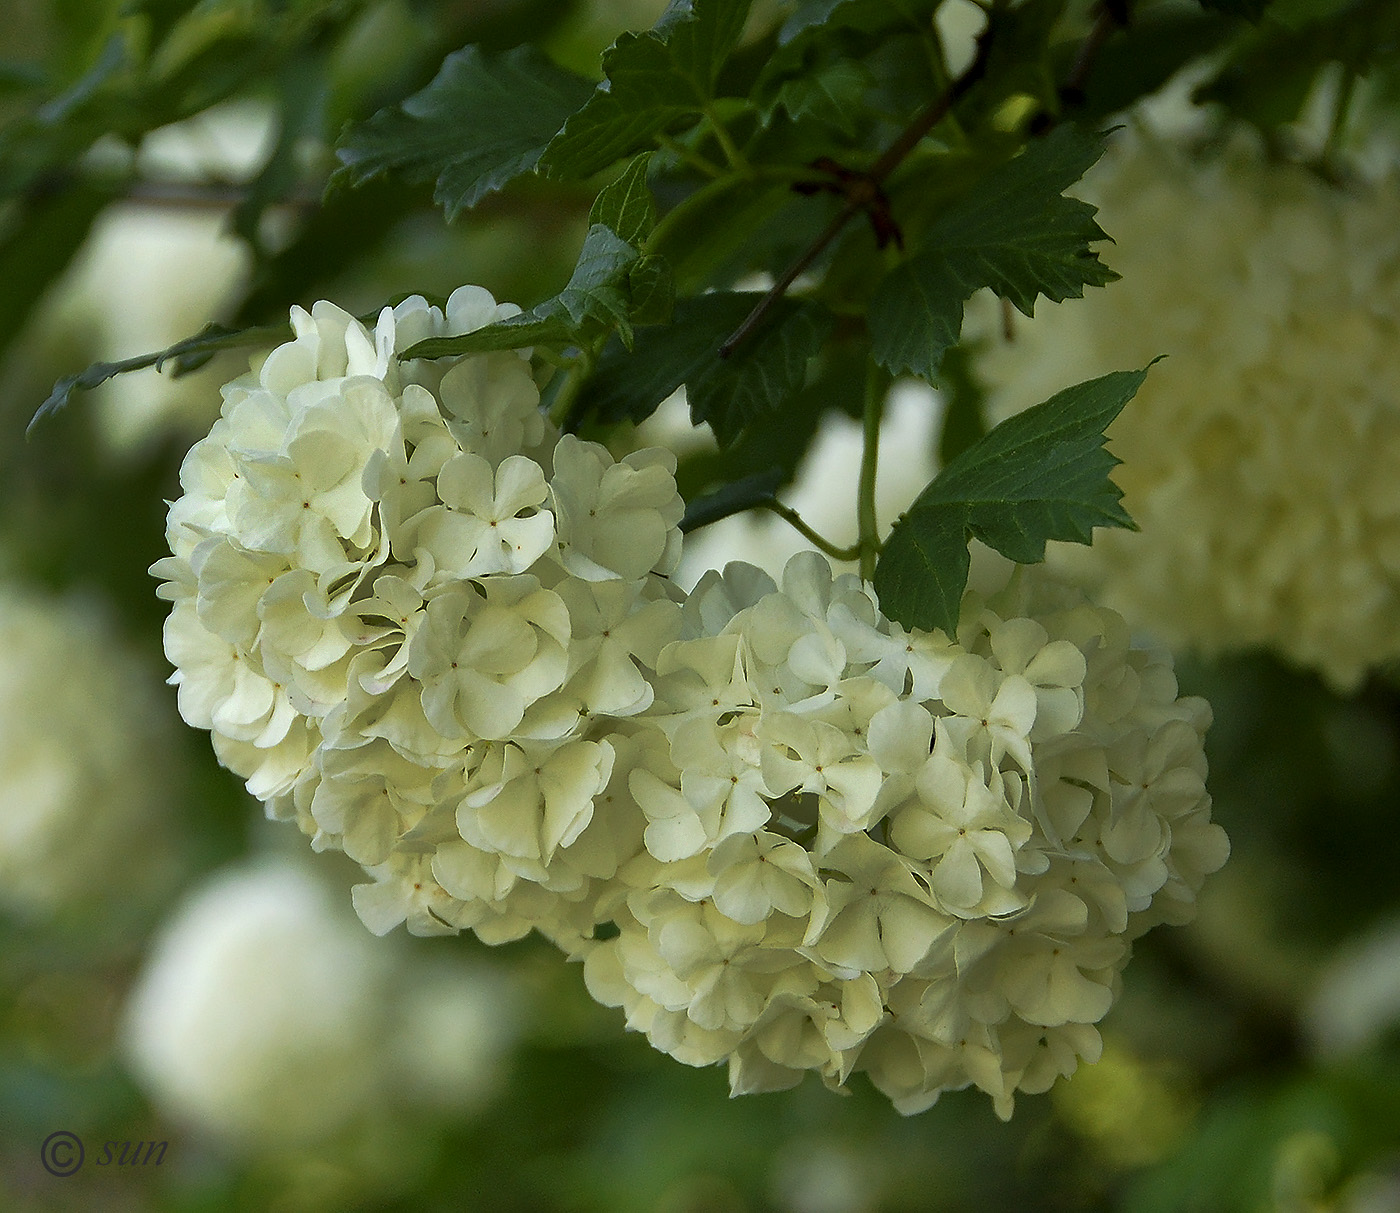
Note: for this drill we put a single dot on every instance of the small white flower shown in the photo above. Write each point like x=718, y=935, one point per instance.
x=615, y=519
x=490, y=520
x=483, y=656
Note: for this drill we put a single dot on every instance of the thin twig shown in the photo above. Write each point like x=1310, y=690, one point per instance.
x=1112, y=15
x=857, y=199
x=795, y=520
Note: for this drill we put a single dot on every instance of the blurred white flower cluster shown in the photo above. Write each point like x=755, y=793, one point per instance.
x=1259, y=457
x=83, y=760
x=267, y=1020
x=442, y=638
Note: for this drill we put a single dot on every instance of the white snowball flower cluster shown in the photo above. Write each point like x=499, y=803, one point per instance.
x=1260, y=456
x=82, y=745
x=267, y=1019
x=874, y=850
x=404, y=605
x=780, y=830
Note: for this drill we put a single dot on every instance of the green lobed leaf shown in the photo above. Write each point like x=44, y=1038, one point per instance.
x=651, y=81
x=729, y=393
x=626, y=205
x=829, y=95
x=1013, y=232
x=483, y=120
x=779, y=440
x=816, y=71
x=597, y=297
x=1040, y=475
x=706, y=241
x=1250, y=10
x=818, y=17
x=700, y=34
x=597, y=289
x=653, y=288
x=1270, y=73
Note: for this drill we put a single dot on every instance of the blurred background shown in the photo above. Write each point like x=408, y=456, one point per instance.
x=173, y=968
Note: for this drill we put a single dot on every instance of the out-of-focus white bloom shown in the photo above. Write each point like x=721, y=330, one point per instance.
x=84, y=772
x=1357, y=998
x=150, y=273
x=928, y=870
x=412, y=614
x=261, y=1011
x=266, y=1017
x=455, y=1027
x=1259, y=458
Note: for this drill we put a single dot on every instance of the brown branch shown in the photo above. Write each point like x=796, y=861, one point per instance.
x=865, y=189
x=1112, y=16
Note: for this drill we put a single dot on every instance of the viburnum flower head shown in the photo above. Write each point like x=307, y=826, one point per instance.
x=441, y=637
x=403, y=602
x=916, y=856
x=1259, y=456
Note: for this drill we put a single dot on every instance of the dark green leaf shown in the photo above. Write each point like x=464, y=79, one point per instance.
x=653, y=289
x=700, y=34
x=301, y=116
x=1040, y=475
x=708, y=237
x=963, y=425
x=651, y=81
x=626, y=205
x=817, y=71
x=597, y=289
x=733, y=498
x=1250, y=10
x=1271, y=73
x=729, y=393
x=597, y=297
x=484, y=120
x=780, y=439
x=820, y=17
x=209, y=340
x=1014, y=232
x=829, y=95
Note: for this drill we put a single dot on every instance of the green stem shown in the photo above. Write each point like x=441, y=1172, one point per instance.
x=737, y=160
x=795, y=520
x=575, y=377
x=690, y=156
x=868, y=545
x=662, y=231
